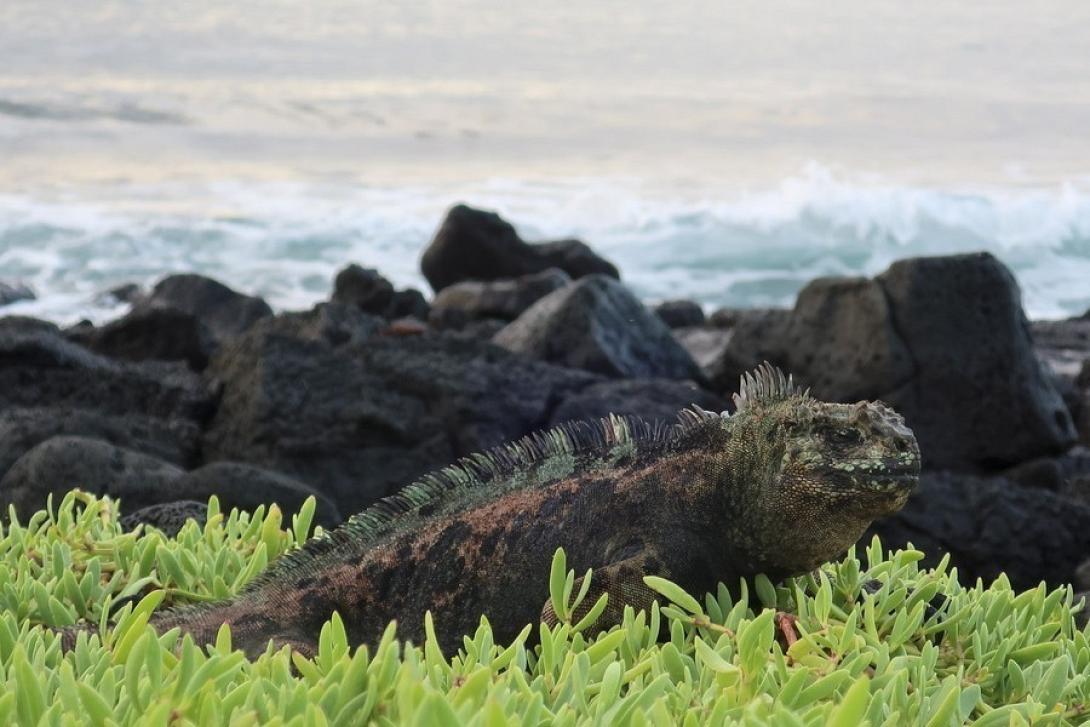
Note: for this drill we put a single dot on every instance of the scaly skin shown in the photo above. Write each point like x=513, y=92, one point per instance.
x=781, y=486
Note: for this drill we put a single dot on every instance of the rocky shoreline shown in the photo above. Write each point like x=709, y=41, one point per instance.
x=201, y=389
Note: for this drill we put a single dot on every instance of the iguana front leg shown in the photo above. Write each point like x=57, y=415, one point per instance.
x=623, y=582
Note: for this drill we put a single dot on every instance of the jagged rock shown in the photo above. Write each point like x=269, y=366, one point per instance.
x=176, y=441
x=163, y=334
x=168, y=516
x=61, y=463
x=943, y=340
x=597, y=324
x=246, y=487
x=361, y=420
x=843, y=342
x=474, y=244
x=680, y=313
x=991, y=526
x=649, y=399
x=14, y=292
x=456, y=305
x=408, y=303
x=337, y=324
x=225, y=312
x=39, y=368
x=364, y=288
x=978, y=394
x=754, y=336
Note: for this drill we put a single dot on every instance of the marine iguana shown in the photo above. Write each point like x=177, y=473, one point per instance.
x=780, y=486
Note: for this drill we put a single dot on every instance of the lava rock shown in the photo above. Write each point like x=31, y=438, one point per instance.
x=61, y=463
x=169, y=517
x=408, y=303
x=680, y=313
x=14, y=292
x=224, y=311
x=246, y=487
x=978, y=394
x=176, y=441
x=361, y=420
x=755, y=336
x=458, y=304
x=336, y=324
x=163, y=334
x=473, y=244
x=597, y=324
x=649, y=399
x=843, y=340
x=991, y=526
x=364, y=288
x=943, y=340
x=40, y=368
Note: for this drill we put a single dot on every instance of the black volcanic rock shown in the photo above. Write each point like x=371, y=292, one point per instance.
x=246, y=487
x=167, y=516
x=680, y=313
x=61, y=463
x=224, y=311
x=648, y=399
x=474, y=244
x=991, y=526
x=162, y=334
x=943, y=340
x=364, y=288
x=597, y=324
x=360, y=420
x=471, y=300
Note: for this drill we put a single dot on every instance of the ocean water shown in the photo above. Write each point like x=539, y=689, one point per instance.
x=725, y=152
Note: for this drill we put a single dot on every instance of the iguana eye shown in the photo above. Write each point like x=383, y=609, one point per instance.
x=846, y=436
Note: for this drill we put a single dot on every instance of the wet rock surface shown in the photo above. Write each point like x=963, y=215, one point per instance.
x=598, y=325
x=474, y=244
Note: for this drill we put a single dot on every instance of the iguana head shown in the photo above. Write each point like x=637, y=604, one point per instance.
x=821, y=472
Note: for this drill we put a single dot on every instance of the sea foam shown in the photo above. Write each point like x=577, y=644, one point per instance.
x=285, y=241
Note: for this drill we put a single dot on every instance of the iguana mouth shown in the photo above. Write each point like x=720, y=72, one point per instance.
x=890, y=475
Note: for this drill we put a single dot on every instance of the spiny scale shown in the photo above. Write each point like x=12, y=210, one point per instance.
x=480, y=469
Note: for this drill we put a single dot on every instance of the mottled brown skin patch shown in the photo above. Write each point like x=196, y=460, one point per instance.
x=780, y=487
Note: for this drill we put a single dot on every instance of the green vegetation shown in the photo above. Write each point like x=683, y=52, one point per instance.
x=984, y=655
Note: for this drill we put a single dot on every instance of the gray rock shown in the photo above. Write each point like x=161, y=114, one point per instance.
x=978, y=394
x=246, y=487
x=680, y=313
x=474, y=244
x=14, y=292
x=756, y=336
x=470, y=300
x=168, y=516
x=943, y=340
x=225, y=312
x=597, y=324
x=39, y=368
x=61, y=463
x=176, y=441
x=361, y=420
x=649, y=399
x=408, y=303
x=706, y=344
x=991, y=526
x=843, y=342
x=163, y=334
x=337, y=324
x=364, y=288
